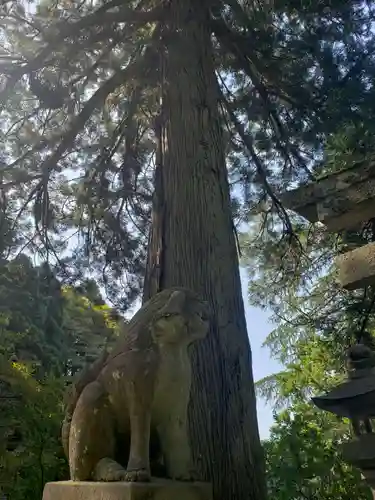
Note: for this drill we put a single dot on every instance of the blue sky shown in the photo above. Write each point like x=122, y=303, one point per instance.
x=258, y=327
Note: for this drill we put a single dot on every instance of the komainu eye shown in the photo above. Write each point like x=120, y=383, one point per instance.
x=202, y=315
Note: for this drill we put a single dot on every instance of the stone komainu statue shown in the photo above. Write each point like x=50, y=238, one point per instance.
x=129, y=408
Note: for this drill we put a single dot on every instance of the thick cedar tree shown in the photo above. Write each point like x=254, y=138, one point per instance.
x=192, y=244
x=105, y=103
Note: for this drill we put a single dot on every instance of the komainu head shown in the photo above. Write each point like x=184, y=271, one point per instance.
x=182, y=319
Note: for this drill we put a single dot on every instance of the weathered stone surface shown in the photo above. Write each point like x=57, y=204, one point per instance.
x=361, y=451
x=127, y=417
x=347, y=208
x=155, y=490
x=357, y=268
x=363, y=212
x=341, y=200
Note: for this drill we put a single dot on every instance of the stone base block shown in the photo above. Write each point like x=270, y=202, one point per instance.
x=155, y=490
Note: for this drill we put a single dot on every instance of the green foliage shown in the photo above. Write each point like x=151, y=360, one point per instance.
x=88, y=329
x=48, y=333
x=350, y=145
x=294, y=78
x=302, y=458
x=315, y=322
x=311, y=369
x=30, y=424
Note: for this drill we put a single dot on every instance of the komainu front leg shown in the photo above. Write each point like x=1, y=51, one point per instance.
x=176, y=449
x=139, y=386
x=138, y=468
x=92, y=440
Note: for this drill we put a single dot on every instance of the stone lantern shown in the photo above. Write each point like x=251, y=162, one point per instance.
x=355, y=399
x=341, y=201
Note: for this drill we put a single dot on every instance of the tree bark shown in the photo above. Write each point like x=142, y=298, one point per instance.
x=192, y=244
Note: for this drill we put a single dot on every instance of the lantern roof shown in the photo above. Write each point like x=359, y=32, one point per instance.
x=356, y=396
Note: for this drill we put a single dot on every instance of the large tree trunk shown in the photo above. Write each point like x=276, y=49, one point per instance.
x=192, y=244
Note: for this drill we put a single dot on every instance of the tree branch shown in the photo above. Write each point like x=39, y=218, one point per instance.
x=74, y=30
x=95, y=102
x=259, y=167
x=230, y=41
x=100, y=18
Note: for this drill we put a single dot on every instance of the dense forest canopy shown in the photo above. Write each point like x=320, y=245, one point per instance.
x=48, y=332
x=81, y=90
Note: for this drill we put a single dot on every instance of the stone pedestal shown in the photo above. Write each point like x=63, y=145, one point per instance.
x=155, y=490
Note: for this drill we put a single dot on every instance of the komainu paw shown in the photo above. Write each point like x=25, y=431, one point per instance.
x=191, y=476
x=137, y=476
x=107, y=470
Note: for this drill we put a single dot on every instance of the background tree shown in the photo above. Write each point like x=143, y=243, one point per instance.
x=30, y=423
x=316, y=321
x=303, y=461
x=48, y=333
x=122, y=87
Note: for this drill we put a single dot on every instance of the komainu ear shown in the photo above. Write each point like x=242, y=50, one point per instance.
x=175, y=304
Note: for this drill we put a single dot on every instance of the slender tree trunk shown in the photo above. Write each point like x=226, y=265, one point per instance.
x=192, y=244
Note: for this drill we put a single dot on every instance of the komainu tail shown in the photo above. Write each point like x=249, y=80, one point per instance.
x=88, y=375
